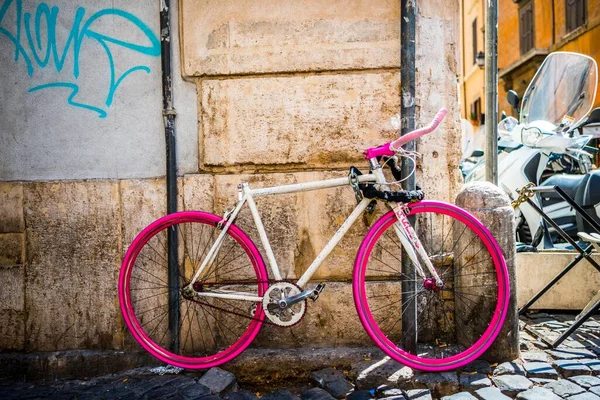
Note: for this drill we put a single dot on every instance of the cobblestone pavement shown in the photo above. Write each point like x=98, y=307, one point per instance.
x=567, y=372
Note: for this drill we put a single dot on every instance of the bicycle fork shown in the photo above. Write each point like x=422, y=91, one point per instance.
x=413, y=247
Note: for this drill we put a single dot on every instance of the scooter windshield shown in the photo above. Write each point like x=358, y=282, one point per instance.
x=562, y=91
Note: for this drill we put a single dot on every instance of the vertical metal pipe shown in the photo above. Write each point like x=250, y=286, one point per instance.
x=491, y=91
x=408, y=16
x=169, y=115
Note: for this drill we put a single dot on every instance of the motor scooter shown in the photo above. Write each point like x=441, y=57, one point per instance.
x=546, y=147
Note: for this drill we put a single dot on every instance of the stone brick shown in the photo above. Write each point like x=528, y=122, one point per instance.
x=12, y=283
x=381, y=371
x=318, y=121
x=229, y=37
x=73, y=249
x=12, y=248
x=142, y=202
x=12, y=329
x=11, y=207
x=197, y=193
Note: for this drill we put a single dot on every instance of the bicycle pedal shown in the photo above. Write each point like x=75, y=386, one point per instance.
x=317, y=291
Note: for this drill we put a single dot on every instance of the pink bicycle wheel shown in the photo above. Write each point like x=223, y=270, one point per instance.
x=451, y=325
x=179, y=327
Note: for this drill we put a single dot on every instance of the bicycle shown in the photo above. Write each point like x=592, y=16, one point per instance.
x=209, y=305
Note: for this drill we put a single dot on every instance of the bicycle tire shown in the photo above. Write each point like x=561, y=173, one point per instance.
x=454, y=325
x=211, y=331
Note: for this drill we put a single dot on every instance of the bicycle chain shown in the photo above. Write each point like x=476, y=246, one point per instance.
x=265, y=320
x=525, y=193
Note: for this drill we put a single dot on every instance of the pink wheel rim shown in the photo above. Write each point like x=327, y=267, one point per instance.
x=127, y=308
x=370, y=325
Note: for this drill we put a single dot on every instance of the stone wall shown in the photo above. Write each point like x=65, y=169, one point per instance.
x=286, y=92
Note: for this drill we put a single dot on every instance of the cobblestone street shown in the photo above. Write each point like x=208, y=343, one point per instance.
x=567, y=372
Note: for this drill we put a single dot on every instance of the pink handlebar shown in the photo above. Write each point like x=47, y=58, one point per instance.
x=396, y=144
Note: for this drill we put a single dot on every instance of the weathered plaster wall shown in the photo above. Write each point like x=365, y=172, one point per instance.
x=286, y=92
x=82, y=98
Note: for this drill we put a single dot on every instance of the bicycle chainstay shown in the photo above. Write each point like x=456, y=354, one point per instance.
x=264, y=320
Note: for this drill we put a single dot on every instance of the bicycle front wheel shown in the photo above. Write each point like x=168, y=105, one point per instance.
x=192, y=329
x=408, y=316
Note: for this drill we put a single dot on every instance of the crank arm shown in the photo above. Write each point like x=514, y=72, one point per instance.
x=306, y=294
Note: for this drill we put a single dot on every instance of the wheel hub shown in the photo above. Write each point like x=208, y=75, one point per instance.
x=429, y=284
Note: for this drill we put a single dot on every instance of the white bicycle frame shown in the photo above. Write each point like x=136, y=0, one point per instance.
x=406, y=233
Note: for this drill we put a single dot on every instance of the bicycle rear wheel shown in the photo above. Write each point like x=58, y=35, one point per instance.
x=453, y=325
x=181, y=328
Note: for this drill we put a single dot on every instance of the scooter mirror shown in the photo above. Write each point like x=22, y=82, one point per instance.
x=477, y=153
x=513, y=99
x=594, y=117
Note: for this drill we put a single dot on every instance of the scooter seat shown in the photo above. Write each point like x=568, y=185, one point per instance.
x=568, y=183
x=592, y=238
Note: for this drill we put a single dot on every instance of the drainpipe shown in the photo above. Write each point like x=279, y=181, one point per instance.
x=169, y=115
x=491, y=92
x=408, y=15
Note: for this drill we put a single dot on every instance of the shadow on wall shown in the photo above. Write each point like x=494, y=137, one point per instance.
x=36, y=45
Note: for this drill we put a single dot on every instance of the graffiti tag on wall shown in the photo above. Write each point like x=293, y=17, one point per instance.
x=37, y=46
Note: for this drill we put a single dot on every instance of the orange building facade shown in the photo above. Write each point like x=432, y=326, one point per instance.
x=528, y=30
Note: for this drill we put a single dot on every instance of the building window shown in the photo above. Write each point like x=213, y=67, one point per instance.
x=576, y=14
x=526, y=26
x=476, y=115
x=474, y=34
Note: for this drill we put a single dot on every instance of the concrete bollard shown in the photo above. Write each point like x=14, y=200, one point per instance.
x=492, y=207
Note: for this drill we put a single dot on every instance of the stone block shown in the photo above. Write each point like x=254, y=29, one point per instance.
x=472, y=382
x=492, y=207
x=333, y=381
x=12, y=248
x=419, y=394
x=197, y=193
x=281, y=394
x=537, y=393
x=536, y=369
x=591, y=363
x=318, y=121
x=511, y=385
x=491, y=393
x=229, y=37
x=509, y=368
x=11, y=207
x=440, y=383
x=246, y=395
x=12, y=295
x=535, y=270
x=73, y=249
x=381, y=371
x=460, y=396
x=564, y=388
x=12, y=330
x=142, y=202
x=218, y=381
x=569, y=368
x=570, y=354
x=316, y=394
x=585, y=381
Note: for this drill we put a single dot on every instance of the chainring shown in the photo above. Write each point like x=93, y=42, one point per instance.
x=288, y=316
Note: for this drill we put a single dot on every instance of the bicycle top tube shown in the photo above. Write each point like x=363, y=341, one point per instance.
x=390, y=148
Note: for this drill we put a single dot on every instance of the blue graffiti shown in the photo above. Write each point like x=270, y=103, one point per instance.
x=30, y=49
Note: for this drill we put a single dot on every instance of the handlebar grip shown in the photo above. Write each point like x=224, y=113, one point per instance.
x=396, y=144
